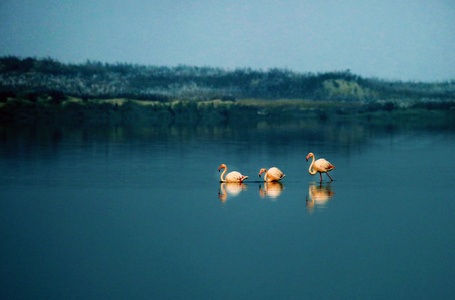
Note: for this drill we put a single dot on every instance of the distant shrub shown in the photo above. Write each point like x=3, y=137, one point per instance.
x=32, y=96
x=389, y=106
x=430, y=105
x=4, y=95
x=57, y=97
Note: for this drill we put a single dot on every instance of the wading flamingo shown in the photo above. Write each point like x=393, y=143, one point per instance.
x=233, y=176
x=273, y=174
x=321, y=166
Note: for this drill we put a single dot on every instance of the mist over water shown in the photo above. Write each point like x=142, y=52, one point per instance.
x=140, y=213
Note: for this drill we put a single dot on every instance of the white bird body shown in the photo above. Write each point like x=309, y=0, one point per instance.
x=233, y=176
x=273, y=174
x=320, y=166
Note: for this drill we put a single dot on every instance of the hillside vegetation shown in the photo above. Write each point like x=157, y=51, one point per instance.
x=97, y=80
x=44, y=89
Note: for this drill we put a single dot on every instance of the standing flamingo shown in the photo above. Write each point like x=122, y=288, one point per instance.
x=233, y=176
x=321, y=166
x=273, y=174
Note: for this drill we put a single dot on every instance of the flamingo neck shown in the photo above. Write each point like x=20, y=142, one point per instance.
x=265, y=176
x=222, y=174
x=309, y=169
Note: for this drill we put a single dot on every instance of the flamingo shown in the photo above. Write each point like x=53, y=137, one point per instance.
x=321, y=166
x=273, y=174
x=233, y=176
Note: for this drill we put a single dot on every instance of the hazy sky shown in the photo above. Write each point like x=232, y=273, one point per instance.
x=389, y=39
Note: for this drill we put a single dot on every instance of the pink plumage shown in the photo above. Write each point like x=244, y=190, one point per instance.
x=273, y=174
x=320, y=166
x=233, y=176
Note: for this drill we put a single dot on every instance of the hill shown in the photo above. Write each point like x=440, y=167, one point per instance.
x=45, y=91
x=98, y=80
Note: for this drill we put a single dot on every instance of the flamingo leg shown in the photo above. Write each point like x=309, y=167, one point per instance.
x=320, y=175
x=329, y=177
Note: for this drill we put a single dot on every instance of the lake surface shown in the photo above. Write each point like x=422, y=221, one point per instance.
x=130, y=213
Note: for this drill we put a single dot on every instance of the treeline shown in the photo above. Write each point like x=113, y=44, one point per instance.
x=96, y=80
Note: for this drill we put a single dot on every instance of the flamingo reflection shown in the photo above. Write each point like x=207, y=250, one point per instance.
x=318, y=195
x=232, y=189
x=271, y=189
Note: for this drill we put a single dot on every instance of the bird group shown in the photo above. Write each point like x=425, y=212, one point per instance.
x=274, y=174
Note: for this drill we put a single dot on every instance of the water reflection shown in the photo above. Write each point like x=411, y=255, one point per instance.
x=318, y=195
x=271, y=189
x=345, y=135
x=232, y=189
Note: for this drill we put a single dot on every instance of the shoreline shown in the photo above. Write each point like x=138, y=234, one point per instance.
x=72, y=111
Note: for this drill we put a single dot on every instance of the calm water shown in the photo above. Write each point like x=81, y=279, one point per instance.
x=140, y=214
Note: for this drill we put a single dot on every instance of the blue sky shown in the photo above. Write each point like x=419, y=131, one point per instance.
x=389, y=39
